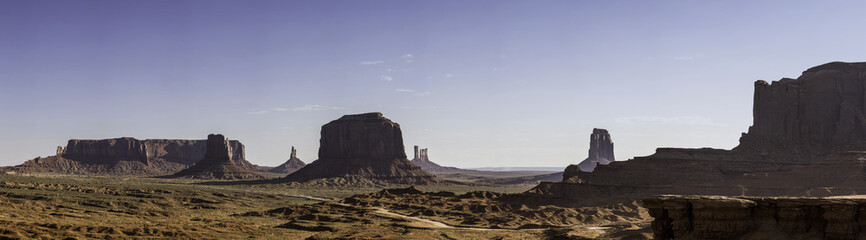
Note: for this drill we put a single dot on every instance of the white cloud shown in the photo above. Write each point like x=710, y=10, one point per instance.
x=387, y=78
x=408, y=58
x=684, y=58
x=377, y=62
x=279, y=109
x=404, y=90
x=425, y=93
x=448, y=75
x=678, y=120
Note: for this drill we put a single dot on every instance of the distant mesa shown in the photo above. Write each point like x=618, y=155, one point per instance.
x=808, y=138
x=127, y=156
x=363, y=146
x=217, y=163
x=291, y=165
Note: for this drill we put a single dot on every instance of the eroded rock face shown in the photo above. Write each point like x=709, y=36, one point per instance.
x=600, y=153
x=217, y=163
x=363, y=145
x=291, y=165
x=128, y=156
x=716, y=217
x=807, y=140
x=821, y=111
x=422, y=160
x=108, y=150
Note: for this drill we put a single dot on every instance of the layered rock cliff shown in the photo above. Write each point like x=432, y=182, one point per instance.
x=799, y=120
x=127, y=156
x=217, y=163
x=363, y=146
x=716, y=217
x=806, y=140
x=291, y=165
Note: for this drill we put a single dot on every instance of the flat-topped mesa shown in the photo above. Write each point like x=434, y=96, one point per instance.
x=217, y=163
x=362, y=136
x=821, y=111
x=107, y=150
x=291, y=165
x=367, y=146
x=128, y=156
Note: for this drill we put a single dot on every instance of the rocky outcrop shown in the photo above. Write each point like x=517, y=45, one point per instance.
x=716, y=217
x=127, y=156
x=291, y=165
x=363, y=146
x=600, y=153
x=422, y=160
x=800, y=120
x=217, y=163
x=806, y=140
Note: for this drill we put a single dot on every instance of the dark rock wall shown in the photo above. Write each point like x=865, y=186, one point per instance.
x=364, y=136
x=820, y=111
x=714, y=217
x=106, y=150
x=186, y=152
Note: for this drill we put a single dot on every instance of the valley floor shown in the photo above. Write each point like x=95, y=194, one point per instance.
x=79, y=207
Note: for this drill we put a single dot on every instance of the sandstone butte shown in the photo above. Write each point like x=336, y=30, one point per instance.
x=600, y=153
x=217, y=163
x=362, y=147
x=127, y=156
x=808, y=138
x=291, y=165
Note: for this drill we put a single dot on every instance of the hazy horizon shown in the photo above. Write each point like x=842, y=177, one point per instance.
x=480, y=84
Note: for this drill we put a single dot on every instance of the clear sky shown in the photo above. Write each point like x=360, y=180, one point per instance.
x=479, y=83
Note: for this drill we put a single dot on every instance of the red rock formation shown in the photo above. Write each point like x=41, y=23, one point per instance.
x=423, y=160
x=127, y=156
x=367, y=146
x=600, y=153
x=291, y=165
x=217, y=163
x=804, y=142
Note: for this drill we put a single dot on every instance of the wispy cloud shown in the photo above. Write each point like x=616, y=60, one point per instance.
x=377, y=62
x=684, y=58
x=408, y=58
x=425, y=93
x=448, y=75
x=313, y=107
x=677, y=120
x=387, y=78
x=405, y=90
x=279, y=109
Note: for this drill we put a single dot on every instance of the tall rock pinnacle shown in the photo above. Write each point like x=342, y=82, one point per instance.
x=600, y=150
x=217, y=163
x=291, y=165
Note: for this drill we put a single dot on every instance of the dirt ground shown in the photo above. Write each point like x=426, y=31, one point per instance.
x=79, y=207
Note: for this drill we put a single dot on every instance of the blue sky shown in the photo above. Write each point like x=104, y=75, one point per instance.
x=479, y=83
